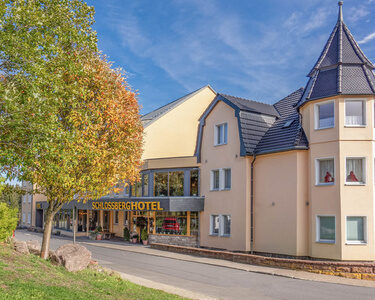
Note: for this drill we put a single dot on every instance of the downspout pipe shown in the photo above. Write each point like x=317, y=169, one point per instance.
x=252, y=205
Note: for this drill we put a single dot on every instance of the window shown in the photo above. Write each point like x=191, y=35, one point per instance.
x=226, y=220
x=221, y=134
x=30, y=197
x=220, y=225
x=214, y=225
x=215, y=180
x=23, y=217
x=324, y=115
x=174, y=223
x=326, y=229
x=24, y=198
x=169, y=183
x=194, y=182
x=176, y=183
x=288, y=123
x=325, y=171
x=355, y=113
x=227, y=179
x=126, y=218
x=145, y=185
x=115, y=219
x=28, y=218
x=137, y=189
x=355, y=170
x=355, y=230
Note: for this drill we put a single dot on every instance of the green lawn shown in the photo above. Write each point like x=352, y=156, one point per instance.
x=29, y=277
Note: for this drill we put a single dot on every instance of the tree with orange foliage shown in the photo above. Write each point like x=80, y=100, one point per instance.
x=100, y=140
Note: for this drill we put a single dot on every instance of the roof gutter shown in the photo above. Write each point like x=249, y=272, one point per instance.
x=252, y=205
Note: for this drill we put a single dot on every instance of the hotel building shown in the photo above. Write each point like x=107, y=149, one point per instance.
x=294, y=178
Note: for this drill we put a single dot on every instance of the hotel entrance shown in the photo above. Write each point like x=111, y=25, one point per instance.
x=142, y=220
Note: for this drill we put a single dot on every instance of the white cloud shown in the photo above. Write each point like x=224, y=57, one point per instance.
x=357, y=13
x=367, y=38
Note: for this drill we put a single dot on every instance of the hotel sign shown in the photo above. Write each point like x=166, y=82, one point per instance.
x=128, y=205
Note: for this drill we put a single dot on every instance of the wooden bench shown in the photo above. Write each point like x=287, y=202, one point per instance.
x=108, y=235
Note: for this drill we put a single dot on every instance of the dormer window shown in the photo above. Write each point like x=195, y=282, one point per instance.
x=324, y=115
x=221, y=134
x=355, y=113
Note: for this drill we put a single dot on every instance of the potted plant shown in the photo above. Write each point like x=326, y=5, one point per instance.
x=98, y=232
x=134, y=237
x=144, y=236
x=126, y=234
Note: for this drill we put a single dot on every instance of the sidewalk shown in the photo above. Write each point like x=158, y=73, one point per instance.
x=228, y=264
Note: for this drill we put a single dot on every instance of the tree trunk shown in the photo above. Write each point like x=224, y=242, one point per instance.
x=47, y=233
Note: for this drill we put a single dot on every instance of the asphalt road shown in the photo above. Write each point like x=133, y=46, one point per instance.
x=214, y=281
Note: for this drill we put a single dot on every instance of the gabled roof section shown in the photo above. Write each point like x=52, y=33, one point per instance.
x=342, y=67
x=261, y=126
x=149, y=118
x=280, y=137
x=251, y=105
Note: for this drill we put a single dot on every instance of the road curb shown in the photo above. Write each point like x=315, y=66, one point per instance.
x=292, y=274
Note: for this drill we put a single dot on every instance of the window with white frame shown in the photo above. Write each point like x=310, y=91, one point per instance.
x=23, y=217
x=355, y=170
x=324, y=115
x=356, y=230
x=215, y=180
x=221, y=179
x=355, y=113
x=214, y=225
x=325, y=229
x=220, y=225
x=221, y=134
x=28, y=218
x=226, y=222
x=227, y=179
x=325, y=171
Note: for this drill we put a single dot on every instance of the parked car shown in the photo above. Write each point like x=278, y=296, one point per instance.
x=171, y=225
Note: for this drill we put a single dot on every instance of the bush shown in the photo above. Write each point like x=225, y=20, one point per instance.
x=144, y=235
x=126, y=234
x=8, y=221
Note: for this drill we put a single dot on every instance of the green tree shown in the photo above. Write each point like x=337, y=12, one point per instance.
x=69, y=123
x=8, y=216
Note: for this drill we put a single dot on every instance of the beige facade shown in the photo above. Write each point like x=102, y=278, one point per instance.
x=234, y=202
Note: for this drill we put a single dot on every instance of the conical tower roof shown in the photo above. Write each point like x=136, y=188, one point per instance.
x=342, y=67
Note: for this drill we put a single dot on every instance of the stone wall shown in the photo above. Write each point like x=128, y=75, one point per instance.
x=189, y=241
x=356, y=270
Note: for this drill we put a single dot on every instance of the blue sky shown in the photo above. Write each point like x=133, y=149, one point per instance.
x=261, y=50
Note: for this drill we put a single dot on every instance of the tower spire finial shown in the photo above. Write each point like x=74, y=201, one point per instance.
x=340, y=10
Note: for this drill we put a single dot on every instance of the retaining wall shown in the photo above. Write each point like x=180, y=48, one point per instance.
x=357, y=270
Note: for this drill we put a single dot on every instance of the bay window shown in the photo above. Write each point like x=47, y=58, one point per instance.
x=355, y=170
x=176, y=183
x=145, y=178
x=324, y=115
x=326, y=229
x=355, y=230
x=355, y=113
x=325, y=171
x=161, y=184
x=194, y=182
